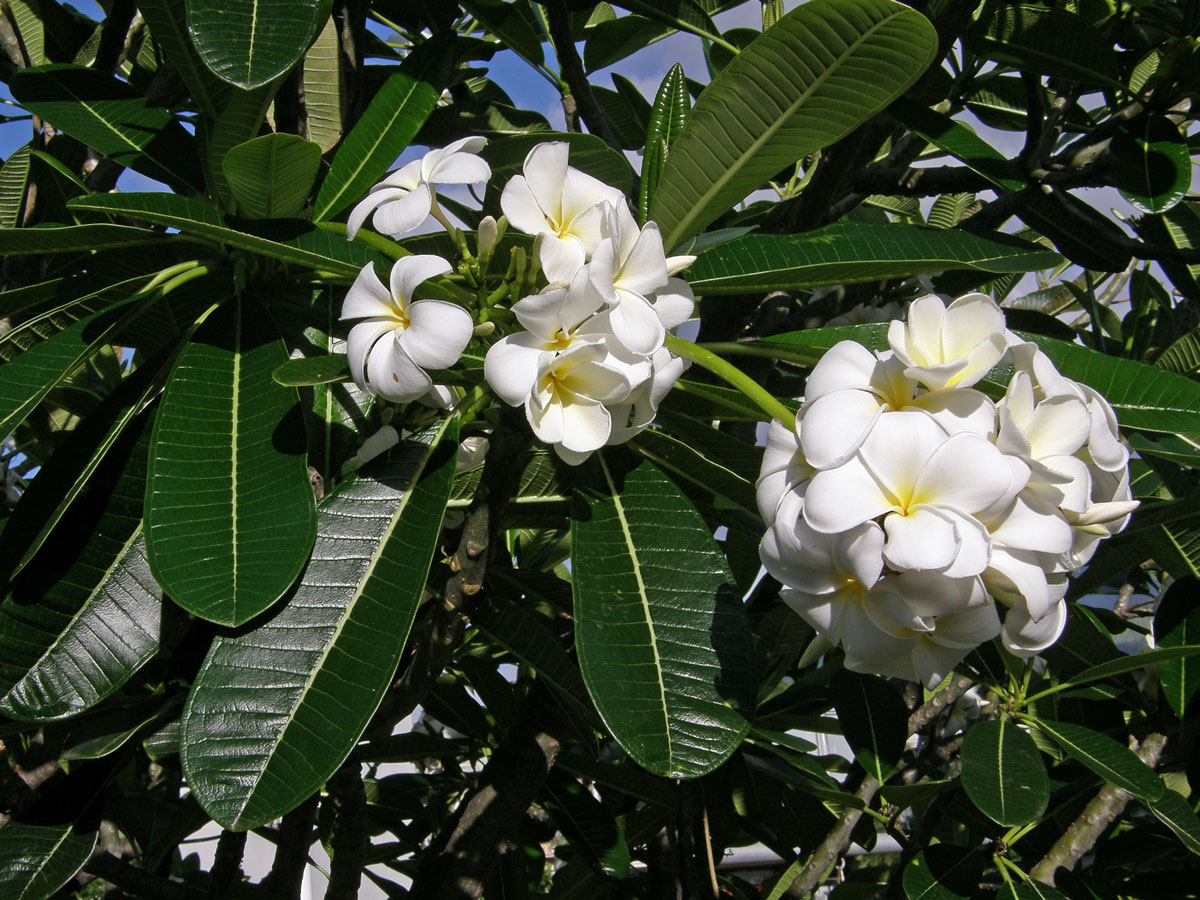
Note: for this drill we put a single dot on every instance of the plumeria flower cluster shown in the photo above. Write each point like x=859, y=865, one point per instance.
x=584, y=356
x=910, y=518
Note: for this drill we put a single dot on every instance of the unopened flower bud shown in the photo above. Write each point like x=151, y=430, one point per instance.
x=489, y=234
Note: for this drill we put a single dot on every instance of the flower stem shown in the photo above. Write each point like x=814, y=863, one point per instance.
x=734, y=376
x=388, y=248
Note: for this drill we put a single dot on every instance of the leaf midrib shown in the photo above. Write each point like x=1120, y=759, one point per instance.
x=619, y=508
x=739, y=162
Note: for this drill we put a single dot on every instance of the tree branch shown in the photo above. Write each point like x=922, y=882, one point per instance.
x=571, y=68
x=349, y=842
x=291, y=852
x=139, y=882
x=1082, y=834
x=227, y=863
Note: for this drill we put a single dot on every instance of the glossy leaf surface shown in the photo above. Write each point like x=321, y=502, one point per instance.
x=36, y=860
x=874, y=721
x=253, y=750
x=1003, y=773
x=1111, y=761
x=271, y=176
x=251, y=42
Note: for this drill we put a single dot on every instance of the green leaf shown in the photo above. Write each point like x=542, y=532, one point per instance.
x=1176, y=624
x=271, y=176
x=249, y=43
x=1131, y=663
x=821, y=71
x=1174, y=812
x=251, y=751
x=388, y=125
x=36, y=860
x=168, y=26
x=1113, y=762
x=855, y=251
x=27, y=17
x=612, y=41
x=323, y=88
x=1151, y=164
x=238, y=119
x=942, y=872
x=959, y=141
x=655, y=602
x=79, y=238
x=228, y=473
x=307, y=371
x=874, y=721
x=112, y=117
x=1052, y=42
x=672, y=104
x=1003, y=773
x=289, y=241
x=27, y=378
x=675, y=13
x=699, y=464
x=1060, y=216
x=589, y=828
x=513, y=23
x=90, y=582
x=1182, y=356
x=14, y=175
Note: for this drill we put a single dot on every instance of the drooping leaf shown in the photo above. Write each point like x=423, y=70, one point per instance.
x=271, y=176
x=249, y=43
x=228, y=473
x=28, y=19
x=252, y=752
x=1177, y=814
x=855, y=251
x=109, y=115
x=291, y=241
x=874, y=721
x=819, y=72
x=1177, y=623
x=168, y=25
x=36, y=860
x=388, y=125
x=654, y=601
x=1003, y=772
x=1151, y=163
x=1113, y=762
x=1052, y=41
x=323, y=88
x=14, y=175
x=959, y=141
x=84, y=616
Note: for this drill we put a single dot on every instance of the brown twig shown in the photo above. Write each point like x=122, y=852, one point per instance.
x=1082, y=834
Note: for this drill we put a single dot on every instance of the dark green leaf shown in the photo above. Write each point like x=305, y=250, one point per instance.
x=252, y=752
x=854, y=251
x=36, y=860
x=1029, y=890
x=612, y=41
x=78, y=238
x=84, y=616
x=1151, y=164
x=168, y=25
x=942, y=872
x=1113, y=762
x=1177, y=814
x=1182, y=355
x=587, y=825
x=312, y=370
x=1079, y=232
x=655, y=602
x=388, y=125
x=271, y=176
x=1177, y=623
x=249, y=43
x=675, y=13
x=228, y=473
x=1132, y=663
x=959, y=141
x=112, y=117
x=1003, y=773
x=287, y=241
x=697, y=463
x=820, y=71
x=874, y=721
x=667, y=116
x=1052, y=42
x=514, y=23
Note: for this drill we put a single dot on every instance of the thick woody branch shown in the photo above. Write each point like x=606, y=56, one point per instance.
x=291, y=852
x=138, y=882
x=571, y=68
x=1104, y=809
x=227, y=863
x=349, y=841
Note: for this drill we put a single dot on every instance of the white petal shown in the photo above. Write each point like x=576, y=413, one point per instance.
x=960, y=410
x=1024, y=637
x=521, y=207
x=363, y=209
x=581, y=192
x=359, y=343
x=1059, y=426
x=460, y=168
x=923, y=539
x=410, y=271
x=836, y=424
x=511, y=367
x=585, y=427
x=545, y=171
x=561, y=257
x=392, y=374
x=965, y=473
x=674, y=303
x=636, y=324
x=439, y=333
x=404, y=214
x=898, y=449
x=645, y=269
x=367, y=297
x=847, y=364
x=839, y=499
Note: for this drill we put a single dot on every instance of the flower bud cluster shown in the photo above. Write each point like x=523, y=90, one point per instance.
x=590, y=367
x=910, y=518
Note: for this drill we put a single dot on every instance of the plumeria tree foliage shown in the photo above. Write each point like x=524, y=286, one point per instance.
x=498, y=510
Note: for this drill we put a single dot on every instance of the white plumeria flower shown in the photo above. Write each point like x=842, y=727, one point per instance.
x=851, y=387
x=637, y=412
x=1027, y=539
x=399, y=338
x=628, y=269
x=403, y=200
x=1024, y=637
x=926, y=483
x=784, y=474
x=950, y=346
x=560, y=203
